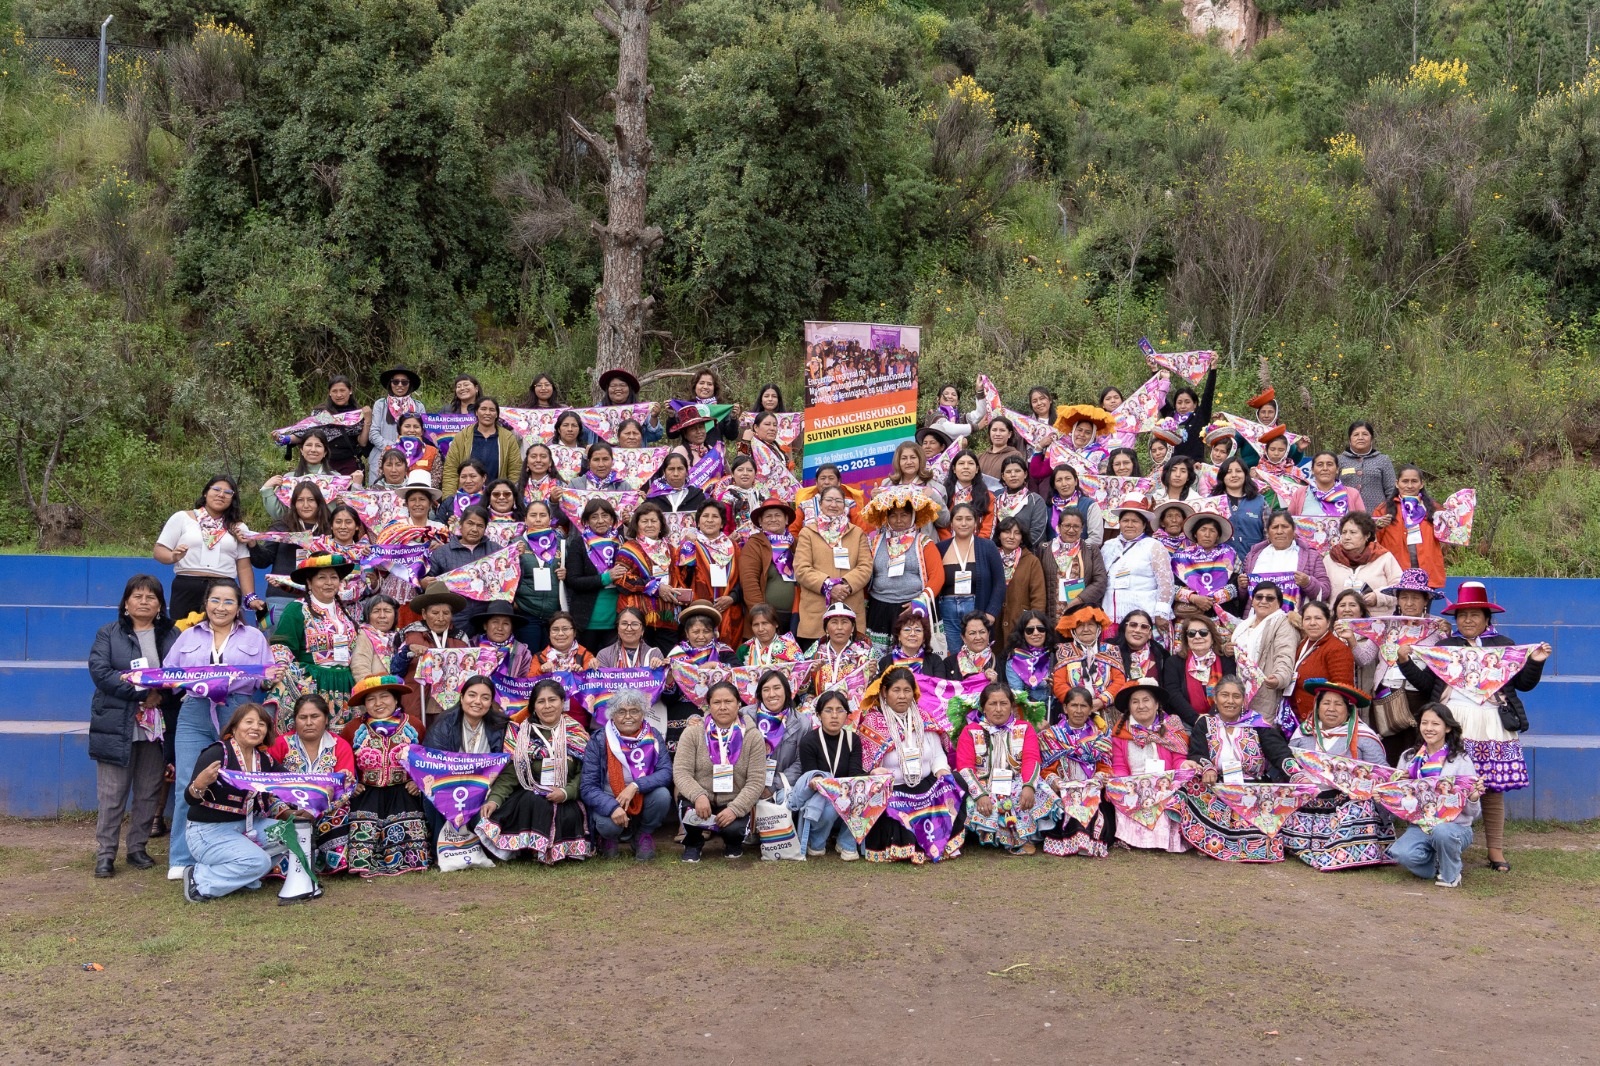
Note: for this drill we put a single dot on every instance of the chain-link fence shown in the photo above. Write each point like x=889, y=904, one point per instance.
x=75, y=62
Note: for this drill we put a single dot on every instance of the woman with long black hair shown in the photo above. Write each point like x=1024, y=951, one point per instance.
x=207, y=542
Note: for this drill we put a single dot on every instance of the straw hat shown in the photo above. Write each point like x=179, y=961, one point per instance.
x=896, y=496
x=1069, y=415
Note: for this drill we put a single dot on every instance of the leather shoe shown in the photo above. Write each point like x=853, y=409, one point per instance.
x=158, y=827
x=103, y=867
x=140, y=860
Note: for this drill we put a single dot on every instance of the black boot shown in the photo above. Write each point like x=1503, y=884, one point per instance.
x=103, y=867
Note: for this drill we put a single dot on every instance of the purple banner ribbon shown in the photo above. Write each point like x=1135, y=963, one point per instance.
x=312, y=793
x=455, y=783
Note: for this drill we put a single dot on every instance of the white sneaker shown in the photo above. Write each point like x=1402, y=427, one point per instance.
x=1448, y=884
x=849, y=856
x=174, y=873
x=814, y=852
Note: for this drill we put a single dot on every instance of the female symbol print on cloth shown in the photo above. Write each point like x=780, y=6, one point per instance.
x=1353, y=777
x=1477, y=673
x=455, y=783
x=1146, y=797
x=312, y=793
x=1427, y=801
x=928, y=816
x=1265, y=805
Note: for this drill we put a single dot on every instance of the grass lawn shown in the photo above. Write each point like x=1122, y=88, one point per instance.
x=1140, y=958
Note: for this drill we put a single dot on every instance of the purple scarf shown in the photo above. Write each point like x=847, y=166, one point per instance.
x=637, y=754
x=782, y=554
x=1031, y=664
x=1413, y=511
x=544, y=544
x=602, y=549
x=735, y=742
x=462, y=500
x=948, y=413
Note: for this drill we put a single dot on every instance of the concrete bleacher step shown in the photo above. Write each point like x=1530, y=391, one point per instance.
x=51, y=606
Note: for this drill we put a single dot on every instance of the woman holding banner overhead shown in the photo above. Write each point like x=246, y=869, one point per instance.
x=534, y=806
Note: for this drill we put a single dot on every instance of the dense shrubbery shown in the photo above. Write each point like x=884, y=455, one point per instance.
x=315, y=186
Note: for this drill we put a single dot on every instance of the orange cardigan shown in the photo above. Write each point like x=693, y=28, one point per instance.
x=1430, y=557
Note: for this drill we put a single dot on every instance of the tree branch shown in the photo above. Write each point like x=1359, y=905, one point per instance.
x=610, y=24
x=685, y=372
x=595, y=141
x=50, y=465
x=22, y=470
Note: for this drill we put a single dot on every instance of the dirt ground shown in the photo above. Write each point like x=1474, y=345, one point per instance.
x=987, y=958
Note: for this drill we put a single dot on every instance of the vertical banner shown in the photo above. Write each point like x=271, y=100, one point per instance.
x=861, y=396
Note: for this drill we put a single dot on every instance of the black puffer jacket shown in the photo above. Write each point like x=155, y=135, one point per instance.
x=115, y=703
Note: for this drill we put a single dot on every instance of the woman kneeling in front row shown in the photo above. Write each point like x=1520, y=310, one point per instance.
x=627, y=778
x=1437, y=853
x=720, y=770
x=223, y=827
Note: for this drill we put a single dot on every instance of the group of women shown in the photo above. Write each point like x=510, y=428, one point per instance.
x=1087, y=623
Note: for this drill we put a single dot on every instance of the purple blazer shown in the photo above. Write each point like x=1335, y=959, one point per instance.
x=246, y=646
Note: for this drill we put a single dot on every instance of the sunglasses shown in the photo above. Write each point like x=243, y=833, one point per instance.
x=1033, y=629
x=1135, y=625
x=1194, y=634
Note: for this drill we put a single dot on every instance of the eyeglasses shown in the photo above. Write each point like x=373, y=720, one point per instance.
x=1136, y=625
x=222, y=603
x=222, y=490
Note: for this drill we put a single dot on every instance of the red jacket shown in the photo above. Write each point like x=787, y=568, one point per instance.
x=1329, y=658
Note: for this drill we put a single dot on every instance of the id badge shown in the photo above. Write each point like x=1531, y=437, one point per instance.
x=1063, y=594
x=1002, y=782
x=341, y=653
x=722, y=777
x=911, y=765
x=897, y=568
x=541, y=579
x=963, y=583
x=772, y=770
x=719, y=576
x=547, y=775
x=841, y=559
x=1414, y=536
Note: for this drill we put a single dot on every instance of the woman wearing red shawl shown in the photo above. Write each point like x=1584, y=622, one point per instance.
x=647, y=572
x=708, y=560
x=997, y=757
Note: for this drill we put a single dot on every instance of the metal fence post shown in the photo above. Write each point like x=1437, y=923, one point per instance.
x=101, y=96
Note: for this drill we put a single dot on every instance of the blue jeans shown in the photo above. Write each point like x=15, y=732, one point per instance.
x=225, y=860
x=657, y=805
x=1436, y=854
x=816, y=818
x=951, y=610
x=194, y=734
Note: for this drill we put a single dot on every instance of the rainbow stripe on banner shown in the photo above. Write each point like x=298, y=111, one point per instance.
x=861, y=396
x=455, y=783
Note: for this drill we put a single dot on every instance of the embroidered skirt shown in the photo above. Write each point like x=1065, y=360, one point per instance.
x=1071, y=837
x=1334, y=832
x=388, y=833
x=1212, y=827
x=528, y=821
x=889, y=841
x=1008, y=825
x=1500, y=763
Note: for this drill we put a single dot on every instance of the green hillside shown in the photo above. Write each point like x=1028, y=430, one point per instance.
x=311, y=187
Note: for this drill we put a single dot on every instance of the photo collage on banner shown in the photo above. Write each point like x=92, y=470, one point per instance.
x=861, y=396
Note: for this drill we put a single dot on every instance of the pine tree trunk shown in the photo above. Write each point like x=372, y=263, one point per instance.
x=622, y=310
